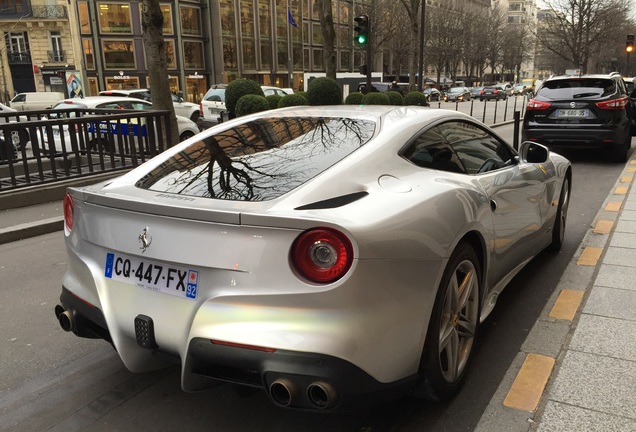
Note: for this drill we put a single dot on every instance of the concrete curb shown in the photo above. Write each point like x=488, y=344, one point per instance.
x=31, y=229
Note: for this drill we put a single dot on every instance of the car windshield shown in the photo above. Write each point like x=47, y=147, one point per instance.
x=213, y=94
x=456, y=90
x=577, y=88
x=259, y=160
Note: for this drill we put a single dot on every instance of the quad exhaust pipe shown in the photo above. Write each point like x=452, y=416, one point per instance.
x=66, y=318
x=285, y=393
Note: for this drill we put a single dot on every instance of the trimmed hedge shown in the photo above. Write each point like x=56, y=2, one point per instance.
x=237, y=89
x=273, y=100
x=250, y=104
x=324, y=91
x=375, y=98
x=292, y=100
x=354, y=98
x=415, y=98
x=395, y=98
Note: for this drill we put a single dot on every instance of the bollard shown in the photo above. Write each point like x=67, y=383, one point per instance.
x=515, y=134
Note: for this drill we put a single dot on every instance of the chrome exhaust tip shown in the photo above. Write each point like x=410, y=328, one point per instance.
x=322, y=395
x=66, y=319
x=283, y=392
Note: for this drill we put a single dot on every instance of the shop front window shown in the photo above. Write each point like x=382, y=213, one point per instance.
x=119, y=54
x=85, y=26
x=122, y=83
x=89, y=58
x=114, y=18
x=193, y=55
x=190, y=21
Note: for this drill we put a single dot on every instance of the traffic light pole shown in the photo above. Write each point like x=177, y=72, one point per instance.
x=369, y=62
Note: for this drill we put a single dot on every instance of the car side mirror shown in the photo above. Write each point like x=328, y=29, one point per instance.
x=531, y=152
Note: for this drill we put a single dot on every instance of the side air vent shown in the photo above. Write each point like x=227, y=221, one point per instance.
x=334, y=202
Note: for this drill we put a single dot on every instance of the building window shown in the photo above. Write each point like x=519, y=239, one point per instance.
x=167, y=19
x=249, y=54
x=119, y=54
x=114, y=18
x=316, y=31
x=89, y=57
x=190, y=21
x=193, y=55
x=171, y=58
x=318, y=59
x=85, y=25
x=56, y=54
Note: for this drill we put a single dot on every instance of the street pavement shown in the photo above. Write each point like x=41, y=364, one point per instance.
x=576, y=370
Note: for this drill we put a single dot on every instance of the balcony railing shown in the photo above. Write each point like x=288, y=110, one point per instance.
x=19, y=58
x=49, y=11
x=57, y=56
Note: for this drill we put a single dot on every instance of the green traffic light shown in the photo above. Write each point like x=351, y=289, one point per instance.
x=362, y=39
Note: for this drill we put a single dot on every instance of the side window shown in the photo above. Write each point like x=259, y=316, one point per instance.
x=431, y=150
x=478, y=150
x=19, y=98
x=140, y=106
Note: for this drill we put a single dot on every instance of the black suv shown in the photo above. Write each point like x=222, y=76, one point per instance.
x=591, y=111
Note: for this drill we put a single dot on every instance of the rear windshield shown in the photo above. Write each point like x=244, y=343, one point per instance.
x=220, y=92
x=577, y=88
x=259, y=160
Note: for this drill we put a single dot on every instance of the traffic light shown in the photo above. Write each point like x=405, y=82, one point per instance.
x=629, y=46
x=362, y=29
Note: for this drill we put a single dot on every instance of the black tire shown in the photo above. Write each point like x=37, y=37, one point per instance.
x=19, y=138
x=558, y=231
x=453, y=327
x=195, y=116
x=184, y=136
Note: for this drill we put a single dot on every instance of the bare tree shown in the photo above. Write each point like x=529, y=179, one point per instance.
x=328, y=36
x=412, y=8
x=576, y=29
x=155, y=48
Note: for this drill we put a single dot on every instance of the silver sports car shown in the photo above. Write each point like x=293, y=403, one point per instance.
x=332, y=256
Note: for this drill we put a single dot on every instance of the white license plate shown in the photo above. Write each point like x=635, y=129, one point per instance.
x=572, y=113
x=168, y=279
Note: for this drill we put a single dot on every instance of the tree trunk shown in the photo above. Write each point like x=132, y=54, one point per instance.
x=328, y=37
x=155, y=48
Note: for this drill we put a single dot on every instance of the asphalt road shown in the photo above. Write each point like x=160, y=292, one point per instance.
x=53, y=381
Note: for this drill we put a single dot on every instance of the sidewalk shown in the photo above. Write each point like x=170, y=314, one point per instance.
x=31, y=221
x=576, y=371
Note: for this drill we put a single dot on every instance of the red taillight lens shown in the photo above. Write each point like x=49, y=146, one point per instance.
x=481, y=92
x=69, y=210
x=201, y=107
x=615, y=104
x=496, y=91
x=322, y=255
x=537, y=105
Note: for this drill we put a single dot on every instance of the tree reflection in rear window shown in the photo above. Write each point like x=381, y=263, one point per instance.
x=259, y=160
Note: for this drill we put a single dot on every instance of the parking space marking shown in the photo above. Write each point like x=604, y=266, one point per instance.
x=566, y=305
x=603, y=227
x=613, y=206
x=627, y=179
x=526, y=390
x=631, y=169
x=590, y=256
x=621, y=190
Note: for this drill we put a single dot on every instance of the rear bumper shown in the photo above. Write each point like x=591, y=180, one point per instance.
x=291, y=379
x=564, y=137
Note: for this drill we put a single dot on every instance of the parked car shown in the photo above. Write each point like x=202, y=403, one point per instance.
x=520, y=90
x=383, y=86
x=187, y=128
x=474, y=91
x=433, y=94
x=508, y=88
x=272, y=251
x=213, y=103
x=18, y=137
x=35, y=100
x=457, y=94
x=591, y=111
x=186, y=109
x=496, y=92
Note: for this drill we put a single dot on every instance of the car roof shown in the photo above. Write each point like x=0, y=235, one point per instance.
x=92, y=101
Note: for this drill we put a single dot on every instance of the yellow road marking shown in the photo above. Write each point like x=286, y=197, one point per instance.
x=528, y=387
x=566, y=305
x=621, y=190
x=627, y=179
x=631, y=169
x=632, y=162
x=603, y=227
x=590, y=256
x=613, y=206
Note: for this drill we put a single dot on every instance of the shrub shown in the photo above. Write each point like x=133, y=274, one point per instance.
x=237, y=89
x=395, y=98
x=302, y=93
x=250, y=104
x=415, y=98
x=324, y=91
x=354, y=98
x=273, y=100
x=292, y=100
x=375, y=98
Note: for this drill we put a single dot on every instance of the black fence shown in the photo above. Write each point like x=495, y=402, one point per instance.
x=40, y=147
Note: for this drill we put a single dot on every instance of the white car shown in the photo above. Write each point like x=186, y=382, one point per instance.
x=213, y=103
x=187, y=128
x=182, y=108
x=17, y=136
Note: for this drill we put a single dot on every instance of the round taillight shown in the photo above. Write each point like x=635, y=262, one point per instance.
x=322, y=255
x=69, y=209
